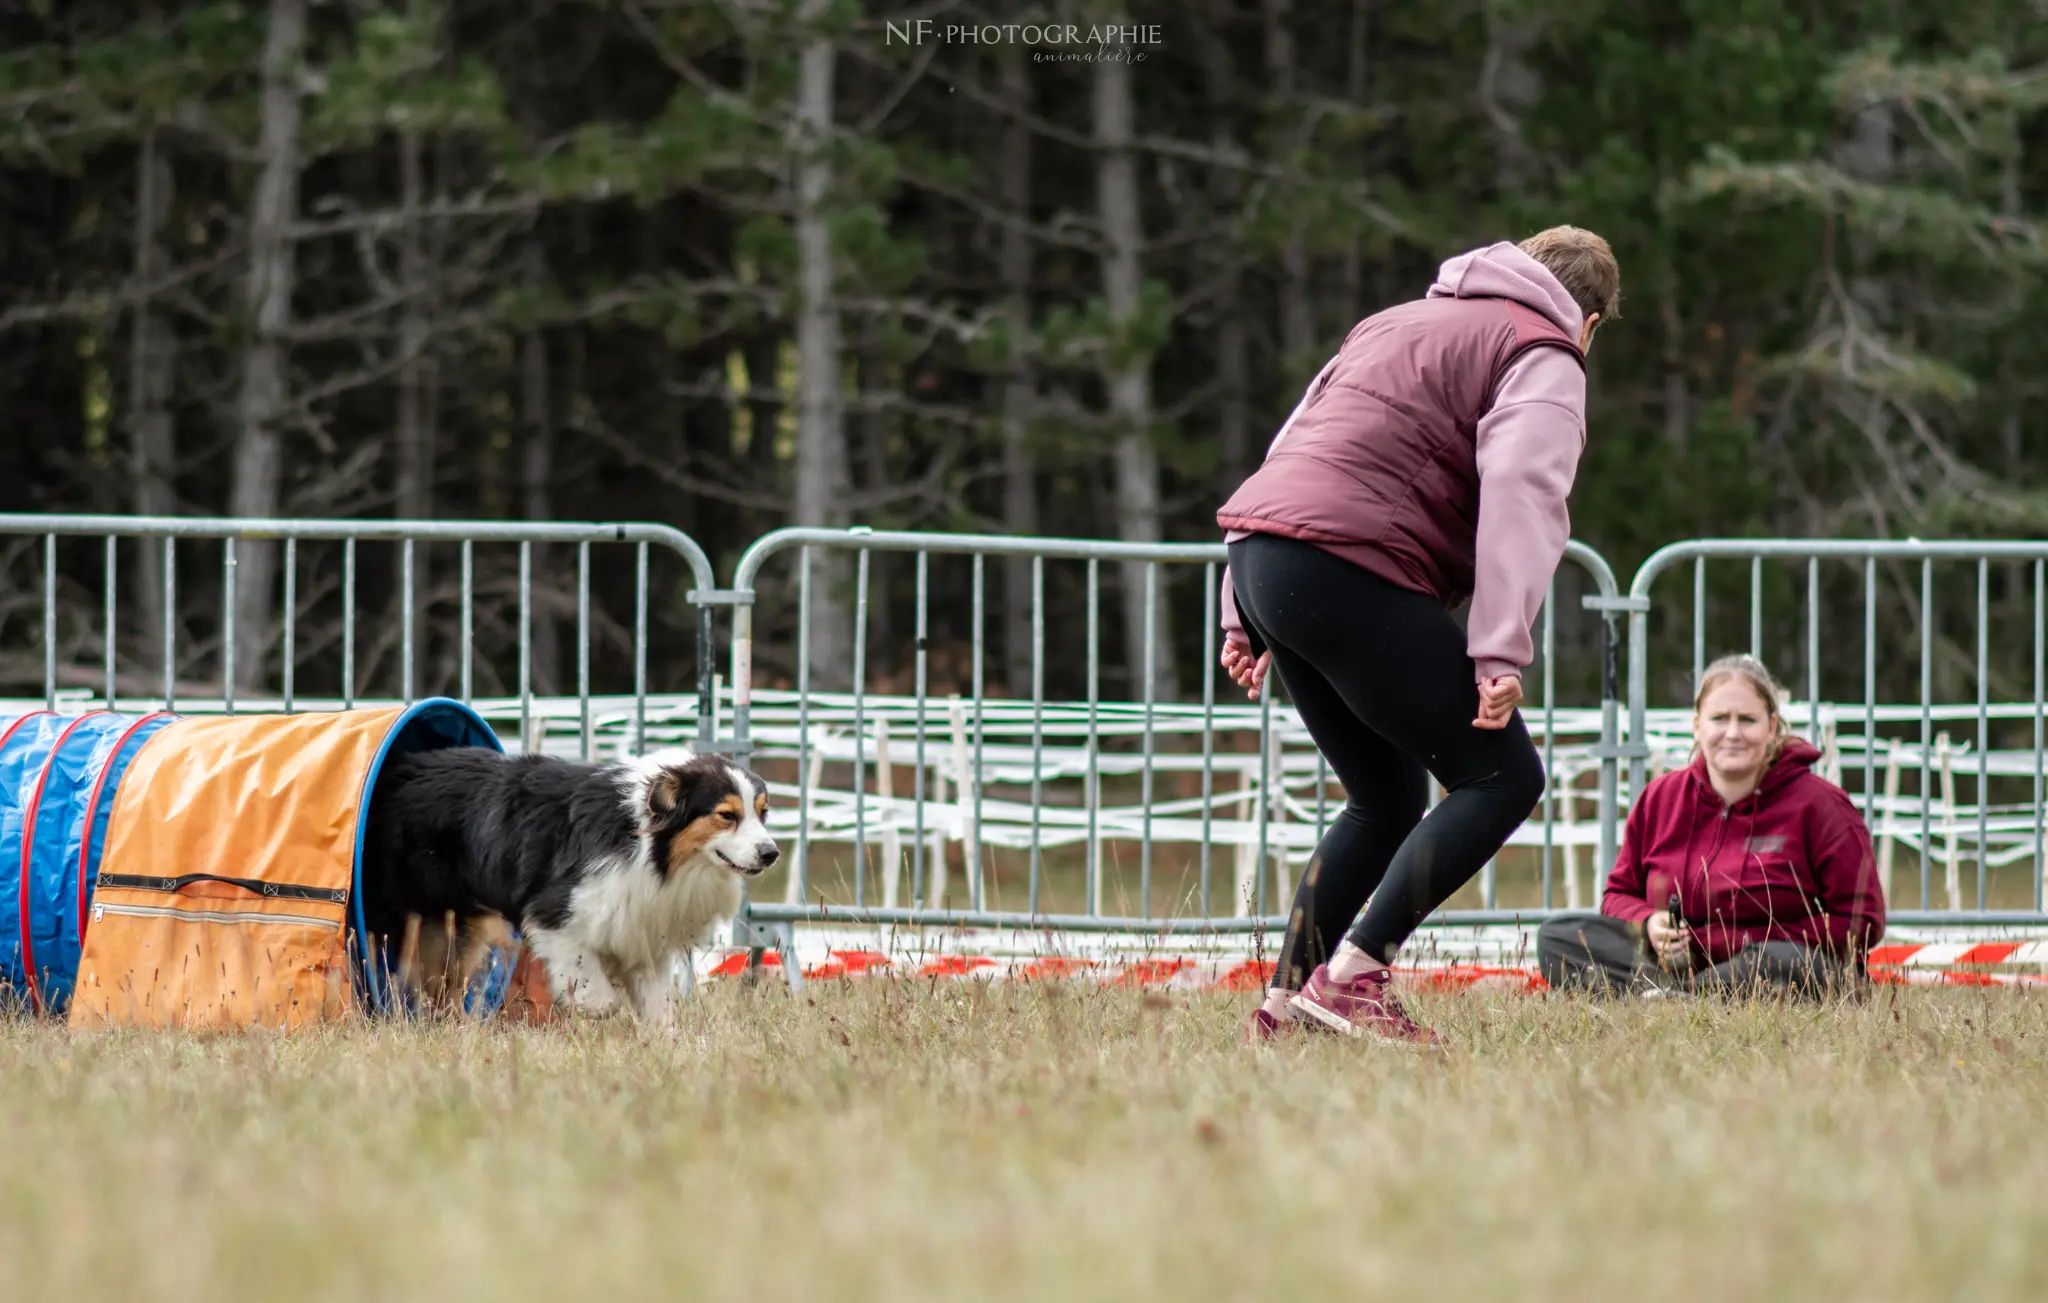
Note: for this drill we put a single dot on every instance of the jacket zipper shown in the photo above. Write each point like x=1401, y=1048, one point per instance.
x=213, y=916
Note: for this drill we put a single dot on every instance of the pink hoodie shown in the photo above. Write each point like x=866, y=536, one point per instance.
x=1527, y=447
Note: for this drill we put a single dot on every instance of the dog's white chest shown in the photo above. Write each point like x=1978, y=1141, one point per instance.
x=629, y=911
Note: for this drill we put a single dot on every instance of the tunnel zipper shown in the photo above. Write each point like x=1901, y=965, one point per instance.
x=213, y=916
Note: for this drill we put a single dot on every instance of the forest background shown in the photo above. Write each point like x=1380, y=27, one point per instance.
x=732, y=265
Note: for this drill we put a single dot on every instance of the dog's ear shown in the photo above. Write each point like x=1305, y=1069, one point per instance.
x=664, y=790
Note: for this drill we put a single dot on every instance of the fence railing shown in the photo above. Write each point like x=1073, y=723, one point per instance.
x=1061, y=787
x=324, y=590
x=923, y=796
x=1838, y=644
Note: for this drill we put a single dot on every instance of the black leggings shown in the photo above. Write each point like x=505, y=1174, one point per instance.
x=1603, y=955
x=1380, y=678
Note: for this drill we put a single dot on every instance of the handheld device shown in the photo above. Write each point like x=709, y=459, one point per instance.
x=1677, y=921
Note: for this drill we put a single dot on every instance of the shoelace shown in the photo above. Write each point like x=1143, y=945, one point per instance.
x=1391, y=1007
x=1381, y=991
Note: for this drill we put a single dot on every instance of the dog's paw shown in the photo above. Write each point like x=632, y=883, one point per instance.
x=577, y=979
x=655, y=996
x=597, y=999
x=588, y=993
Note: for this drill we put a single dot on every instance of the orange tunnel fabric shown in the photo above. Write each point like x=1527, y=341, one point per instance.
x=224, y=895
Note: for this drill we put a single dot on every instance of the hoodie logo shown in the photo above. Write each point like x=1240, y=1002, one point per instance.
x=1771, y=845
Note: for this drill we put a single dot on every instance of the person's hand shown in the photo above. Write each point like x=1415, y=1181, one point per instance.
x=1497, y=701
x=1669, y=942
x=1245, y=671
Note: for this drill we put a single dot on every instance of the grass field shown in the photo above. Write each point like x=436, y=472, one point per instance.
x=895, y=1139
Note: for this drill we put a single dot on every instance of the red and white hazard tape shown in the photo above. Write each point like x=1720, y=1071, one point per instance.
x=1959, y=963
x=1182, y=973
x=1942, y=954
x=1491, y=963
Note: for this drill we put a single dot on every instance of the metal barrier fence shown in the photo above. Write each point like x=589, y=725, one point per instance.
x=1937, y=829
x=1035, y=748
x=291, y=606
x=1062, y=788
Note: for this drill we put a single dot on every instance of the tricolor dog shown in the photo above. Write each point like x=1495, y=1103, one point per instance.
x=610, y=872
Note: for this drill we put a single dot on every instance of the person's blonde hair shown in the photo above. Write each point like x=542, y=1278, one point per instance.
x=1752, y=672
x=1583, y=264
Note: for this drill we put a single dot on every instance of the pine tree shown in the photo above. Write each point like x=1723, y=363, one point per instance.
x=1927, y=263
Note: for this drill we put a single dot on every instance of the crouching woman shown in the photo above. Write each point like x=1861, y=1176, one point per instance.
x=1743, y=873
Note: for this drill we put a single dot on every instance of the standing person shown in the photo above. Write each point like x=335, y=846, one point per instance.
x=1770, y=863
x=1428, y=462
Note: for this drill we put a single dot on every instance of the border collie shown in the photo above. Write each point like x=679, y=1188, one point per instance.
x=609, y=871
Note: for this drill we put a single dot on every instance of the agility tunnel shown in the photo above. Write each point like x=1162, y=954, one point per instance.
x=58, y=779
x=202, y=872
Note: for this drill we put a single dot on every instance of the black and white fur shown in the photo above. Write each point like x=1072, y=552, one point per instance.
x=610, y=872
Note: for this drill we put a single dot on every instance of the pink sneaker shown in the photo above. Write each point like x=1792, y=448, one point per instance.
x=1260, y=1027
x=1364, y=1006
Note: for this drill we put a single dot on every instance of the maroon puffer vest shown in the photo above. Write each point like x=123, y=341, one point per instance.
x=1381, y=465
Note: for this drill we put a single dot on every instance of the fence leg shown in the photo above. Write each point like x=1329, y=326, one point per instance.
x=1283, y=887
x=814, y=778
x=707, y=690
x=718, y=686
x=1610, y=728
x=755, y=939
x=937, y=854
x=1888, y=839
x=963, y=789
x=1092, y=795
x=1568, y=809
x=892, y=842
x=792, y=967
x=1247, y=865
x=1952, y=872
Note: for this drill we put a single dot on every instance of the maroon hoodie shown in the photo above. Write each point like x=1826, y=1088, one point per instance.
x=1792, y=861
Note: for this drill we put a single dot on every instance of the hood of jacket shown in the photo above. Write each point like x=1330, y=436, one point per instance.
x=1794, y=759
x=1502, y=271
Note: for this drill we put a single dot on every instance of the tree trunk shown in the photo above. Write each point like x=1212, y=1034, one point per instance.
x=2009, y=429
x=763, y=353
x=1130, y=378
x=872, y=377
x=1356, y=87
x=415, y=424
x=1870, y=156
x=258, y=483
x=448, y=672
x=1020, y=487
x=668, y=412
x=1297, y=308
x=1233, y=368
x=1233, y=401
x=821, y=470
x=151, y=380
x=1508, y=89
x=707, y=425
x=537, y=458
x=1677, y=397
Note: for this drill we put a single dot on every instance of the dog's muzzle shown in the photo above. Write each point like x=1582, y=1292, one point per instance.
x=765, y=854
